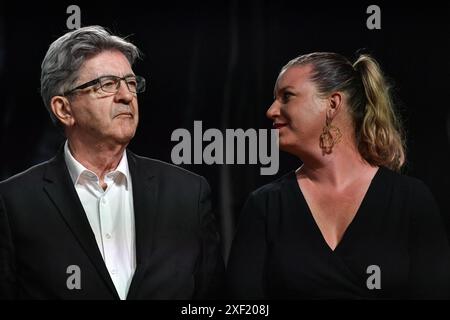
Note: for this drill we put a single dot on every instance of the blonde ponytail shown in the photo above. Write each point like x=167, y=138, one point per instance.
x=380, y=138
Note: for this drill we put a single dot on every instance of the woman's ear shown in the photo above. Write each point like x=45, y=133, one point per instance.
x=335, y=104
x=61, y=109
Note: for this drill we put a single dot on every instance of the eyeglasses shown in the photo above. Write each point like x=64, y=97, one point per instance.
x=111, y=84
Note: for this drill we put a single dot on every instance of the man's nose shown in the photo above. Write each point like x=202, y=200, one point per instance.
x=123, y=95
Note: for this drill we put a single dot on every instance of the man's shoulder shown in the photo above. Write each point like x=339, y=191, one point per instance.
x=26, y=177
x=164, y=169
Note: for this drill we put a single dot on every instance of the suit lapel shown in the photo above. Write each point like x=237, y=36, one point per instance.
x=145, y=195
x=59, y=188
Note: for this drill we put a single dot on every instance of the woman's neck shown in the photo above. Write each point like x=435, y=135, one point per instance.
x=340, y=168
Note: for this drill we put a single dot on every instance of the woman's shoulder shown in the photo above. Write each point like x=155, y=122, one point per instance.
x=269, y=196
x=401, y=181
x=406, y=188
x=275, y=187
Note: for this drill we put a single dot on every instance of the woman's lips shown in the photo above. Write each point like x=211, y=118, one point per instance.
x=279, y=125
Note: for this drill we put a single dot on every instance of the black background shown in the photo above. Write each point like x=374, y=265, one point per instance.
x=217, y=61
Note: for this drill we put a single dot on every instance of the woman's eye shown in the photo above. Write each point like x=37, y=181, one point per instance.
x=285, y=96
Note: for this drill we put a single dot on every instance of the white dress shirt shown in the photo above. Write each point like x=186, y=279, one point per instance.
x=111, y=215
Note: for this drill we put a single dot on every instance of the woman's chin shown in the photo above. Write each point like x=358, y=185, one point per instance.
x=291, y=147
x=285, y=146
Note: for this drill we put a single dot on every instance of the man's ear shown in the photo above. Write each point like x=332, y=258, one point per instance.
x=335, y=104
x=62, y=110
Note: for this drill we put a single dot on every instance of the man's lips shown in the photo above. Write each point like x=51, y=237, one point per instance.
x=124, y=114
x=279, y=125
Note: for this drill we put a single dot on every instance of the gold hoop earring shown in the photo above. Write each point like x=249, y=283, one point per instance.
x=329, y=137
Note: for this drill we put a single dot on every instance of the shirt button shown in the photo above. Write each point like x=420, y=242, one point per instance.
x=108, y=236
x=103, y=201
x=113, y=271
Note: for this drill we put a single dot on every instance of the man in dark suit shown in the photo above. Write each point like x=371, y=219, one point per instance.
x=97, y=221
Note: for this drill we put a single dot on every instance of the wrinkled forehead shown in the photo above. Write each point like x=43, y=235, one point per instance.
x=106, y=63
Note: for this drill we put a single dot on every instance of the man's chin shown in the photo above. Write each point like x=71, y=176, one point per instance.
x=124, y=138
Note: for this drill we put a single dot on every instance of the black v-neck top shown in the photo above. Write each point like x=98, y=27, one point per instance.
x=395, y=247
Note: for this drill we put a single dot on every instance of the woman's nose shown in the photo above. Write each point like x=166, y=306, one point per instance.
x=273, y=111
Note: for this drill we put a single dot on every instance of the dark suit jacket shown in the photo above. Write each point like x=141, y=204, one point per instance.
x=44, y=230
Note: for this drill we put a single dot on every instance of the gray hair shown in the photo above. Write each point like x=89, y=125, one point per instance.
x=65, y=56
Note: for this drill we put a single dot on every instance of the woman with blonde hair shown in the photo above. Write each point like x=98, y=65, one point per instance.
x=346, y=224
